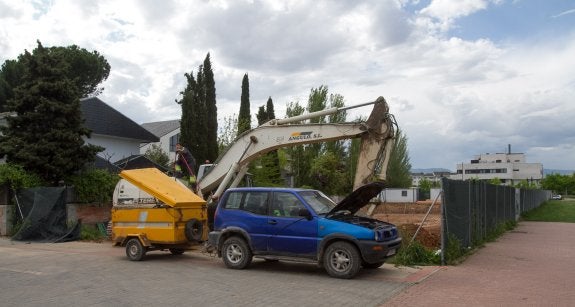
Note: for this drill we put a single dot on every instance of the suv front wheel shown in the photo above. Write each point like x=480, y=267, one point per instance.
x=342, y=260
x=236, y=253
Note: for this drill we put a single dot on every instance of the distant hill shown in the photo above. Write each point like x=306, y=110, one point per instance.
x=429, y=170
x=557, y=171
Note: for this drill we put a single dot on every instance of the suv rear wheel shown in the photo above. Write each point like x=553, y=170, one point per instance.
x=342, y=260
x=236, y=253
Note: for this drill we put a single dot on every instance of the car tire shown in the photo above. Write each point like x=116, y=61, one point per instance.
x=342, y=260
x=372, y=265
x=236, y=253
x=177, y=251
x=135, y=250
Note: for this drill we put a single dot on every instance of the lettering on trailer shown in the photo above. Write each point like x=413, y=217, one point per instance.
x=296, y=136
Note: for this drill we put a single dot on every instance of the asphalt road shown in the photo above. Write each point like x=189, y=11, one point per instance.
x=533, y=265
x=97, y=274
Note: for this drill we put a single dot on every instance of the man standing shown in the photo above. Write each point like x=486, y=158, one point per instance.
x=185, y=165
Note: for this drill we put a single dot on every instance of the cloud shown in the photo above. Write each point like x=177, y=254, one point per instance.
x=454, y=97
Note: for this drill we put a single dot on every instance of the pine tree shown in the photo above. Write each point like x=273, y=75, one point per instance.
x=245, y=118
x=46, y=135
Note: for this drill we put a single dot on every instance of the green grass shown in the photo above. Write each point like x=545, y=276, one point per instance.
x=552, y=211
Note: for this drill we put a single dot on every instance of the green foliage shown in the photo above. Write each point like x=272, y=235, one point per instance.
x=266, y=169
x=328, y=174
x=552, y=211
x=398, y=175
x=156, y=154
x=94, y=185
x=453, y=250
x=245, y=118
x=227, y=134
x=198, y=125
x=212, y=147
x=17, y=178
x=46, y=136
x=495, y=181
x=86, y=70
x=524, y=184
x=416, y=254
x=90, y=233
x=560, y=184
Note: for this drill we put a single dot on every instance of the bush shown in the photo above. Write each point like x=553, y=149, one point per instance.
x=90, y=233
x=17, y=178
x=94, y=186
x=416, y=254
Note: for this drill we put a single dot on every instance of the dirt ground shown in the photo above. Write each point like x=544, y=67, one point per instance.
x=409, y=216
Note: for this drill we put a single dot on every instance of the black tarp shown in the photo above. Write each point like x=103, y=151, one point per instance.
x=44, y=211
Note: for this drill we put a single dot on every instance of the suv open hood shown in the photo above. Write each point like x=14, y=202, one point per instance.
x=359, y=198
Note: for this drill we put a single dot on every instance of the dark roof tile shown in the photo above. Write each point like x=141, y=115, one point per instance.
x=105, y=120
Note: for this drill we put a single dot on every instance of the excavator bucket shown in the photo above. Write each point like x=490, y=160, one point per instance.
x=164, y=188
x=376, y=146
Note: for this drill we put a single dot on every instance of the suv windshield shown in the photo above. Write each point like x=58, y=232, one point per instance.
x=320, y=203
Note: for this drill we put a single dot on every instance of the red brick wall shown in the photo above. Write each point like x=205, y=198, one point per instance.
x=92, y=214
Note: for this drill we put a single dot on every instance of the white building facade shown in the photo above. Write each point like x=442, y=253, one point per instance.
x=510, y=168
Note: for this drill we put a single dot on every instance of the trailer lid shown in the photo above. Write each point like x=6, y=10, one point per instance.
x=164, y=188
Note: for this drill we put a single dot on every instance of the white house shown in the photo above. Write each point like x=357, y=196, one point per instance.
x=119, y=135
x=168, y=133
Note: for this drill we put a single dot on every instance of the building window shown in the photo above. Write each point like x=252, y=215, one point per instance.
x=174, y=139
x=404, y=193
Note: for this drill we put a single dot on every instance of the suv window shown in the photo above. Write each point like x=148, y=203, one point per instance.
x=254, y=202
x=320, y=203
x=286, y=204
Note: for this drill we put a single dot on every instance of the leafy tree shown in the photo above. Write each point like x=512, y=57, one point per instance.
x=156, y=154
x=560, y=184
x=329, y=174
x=398, y=175
x=46, y=136
x=85, y=69
x=244, y=118
x=228, y=132
x=495, y=181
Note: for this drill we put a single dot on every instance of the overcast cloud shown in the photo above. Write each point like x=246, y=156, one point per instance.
x=462, y=77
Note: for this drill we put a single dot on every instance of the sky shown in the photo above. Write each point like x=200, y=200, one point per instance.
x=462, y=77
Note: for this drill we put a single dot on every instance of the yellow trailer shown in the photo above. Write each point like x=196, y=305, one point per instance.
x=165, y=216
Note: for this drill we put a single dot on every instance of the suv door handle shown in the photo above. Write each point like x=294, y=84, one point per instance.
x=273, y=222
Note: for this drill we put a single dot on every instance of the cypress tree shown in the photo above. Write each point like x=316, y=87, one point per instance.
x=211, y=111
x=244, y=117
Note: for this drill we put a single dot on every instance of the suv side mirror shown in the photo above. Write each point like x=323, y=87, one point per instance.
x=303, y=212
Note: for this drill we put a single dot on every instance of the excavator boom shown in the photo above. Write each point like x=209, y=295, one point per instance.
x=376, y=134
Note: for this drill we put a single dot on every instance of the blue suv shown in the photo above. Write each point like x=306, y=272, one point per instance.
x=302, y=225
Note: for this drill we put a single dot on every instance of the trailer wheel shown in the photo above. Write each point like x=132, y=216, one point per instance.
x=194, y=230
x=236, y=253
x=135, y=250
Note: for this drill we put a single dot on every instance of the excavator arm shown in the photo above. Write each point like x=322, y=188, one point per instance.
x=376, y=134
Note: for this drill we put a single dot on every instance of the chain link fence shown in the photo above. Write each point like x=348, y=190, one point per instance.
x=474, y=209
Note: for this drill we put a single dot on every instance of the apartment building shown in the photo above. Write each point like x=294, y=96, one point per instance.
x=510, y=168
